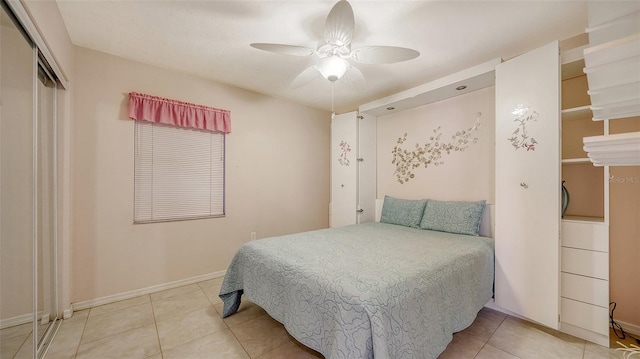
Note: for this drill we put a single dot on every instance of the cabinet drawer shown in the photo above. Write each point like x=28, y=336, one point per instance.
x=586, y=316
x=584, y=262
x=585, y=235
x=585, y=289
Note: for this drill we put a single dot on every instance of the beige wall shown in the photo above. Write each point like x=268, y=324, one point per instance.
x=277, y=178
x=624, y=232
x=466, y=175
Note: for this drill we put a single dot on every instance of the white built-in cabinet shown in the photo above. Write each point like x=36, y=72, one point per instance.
x=584, y=303
x=551, y=271
x=353, y=169
x=528, y=187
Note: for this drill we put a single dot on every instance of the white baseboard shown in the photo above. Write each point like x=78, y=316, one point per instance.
x=632, y=329
x=585, y=334
x=17, y=320
x=491, y=304
x=143, y=291
x=67, y=313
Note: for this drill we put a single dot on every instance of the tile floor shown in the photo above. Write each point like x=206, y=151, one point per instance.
x=185, y=323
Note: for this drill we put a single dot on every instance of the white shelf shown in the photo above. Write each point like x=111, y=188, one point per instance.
x=569, y=161
x=583, y=219
x=577, y=113
x=573, y=62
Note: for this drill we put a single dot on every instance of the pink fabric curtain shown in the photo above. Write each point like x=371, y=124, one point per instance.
x=177, y=113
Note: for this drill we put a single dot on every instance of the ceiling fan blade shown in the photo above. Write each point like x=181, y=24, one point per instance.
x=338, y=29
x=306, y=76
x=383, y=54
x=354, y=79
x=285, y=49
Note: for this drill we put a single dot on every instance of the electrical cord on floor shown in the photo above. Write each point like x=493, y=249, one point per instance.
x=617, y=328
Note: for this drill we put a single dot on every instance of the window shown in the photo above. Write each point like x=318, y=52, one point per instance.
x=179, y=159
x=179, y=173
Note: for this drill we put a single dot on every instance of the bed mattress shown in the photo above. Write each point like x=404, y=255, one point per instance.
x=371, y=290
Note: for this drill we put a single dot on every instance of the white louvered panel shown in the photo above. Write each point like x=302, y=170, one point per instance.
x=614, y=94
x=613, y=73
x=621, y=149
x=179, y=173
x=585, y=235
x=617, y=110
x=608, y=23
x=612, y=60
x=612, y=51
x=585, y=289
x=587, y=316
x=584, y=262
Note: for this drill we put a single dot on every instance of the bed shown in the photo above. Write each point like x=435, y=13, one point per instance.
x=369, y=290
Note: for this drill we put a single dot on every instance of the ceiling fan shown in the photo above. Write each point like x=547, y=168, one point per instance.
x=335, y=50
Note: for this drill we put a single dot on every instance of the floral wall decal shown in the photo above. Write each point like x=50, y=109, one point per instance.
x=520, y=137
x=431, y=152
x=344, y=151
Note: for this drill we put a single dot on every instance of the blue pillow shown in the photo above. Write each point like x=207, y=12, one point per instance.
x=453, y=216
x=405, y=212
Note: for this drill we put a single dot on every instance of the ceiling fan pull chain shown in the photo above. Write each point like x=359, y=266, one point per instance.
x=333, y=113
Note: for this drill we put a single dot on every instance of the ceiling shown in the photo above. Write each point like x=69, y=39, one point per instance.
x=210, y=39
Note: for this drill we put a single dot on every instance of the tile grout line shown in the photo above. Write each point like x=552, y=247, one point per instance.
x=84, y=327
x=23, y=343
x=483, y=345
x=494, y=333
x=155, y=324
x=193, y=339
x=236, y=338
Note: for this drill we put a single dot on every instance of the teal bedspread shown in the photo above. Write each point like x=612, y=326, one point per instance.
x=371, y=290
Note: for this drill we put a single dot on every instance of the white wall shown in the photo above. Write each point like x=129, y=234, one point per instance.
x=465, y=175
x=277, y=178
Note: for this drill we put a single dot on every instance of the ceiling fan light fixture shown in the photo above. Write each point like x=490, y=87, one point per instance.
x=333, y=67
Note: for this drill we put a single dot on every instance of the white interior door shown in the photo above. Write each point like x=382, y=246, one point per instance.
x=367, y=168
x=344, y=164
x=528, y=184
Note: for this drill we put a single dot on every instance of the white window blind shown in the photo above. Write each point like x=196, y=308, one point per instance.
x=179, y=173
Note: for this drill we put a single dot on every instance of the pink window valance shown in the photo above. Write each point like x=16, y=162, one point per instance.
x=177, y=113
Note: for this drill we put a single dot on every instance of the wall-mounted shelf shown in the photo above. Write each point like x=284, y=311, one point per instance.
x=569, y=161
x=583, y=219
x=573, y=62
x=576, y=113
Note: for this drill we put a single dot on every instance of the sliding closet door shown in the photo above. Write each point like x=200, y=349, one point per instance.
x=17, y=64
x=45, y=203
x=527, y=222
